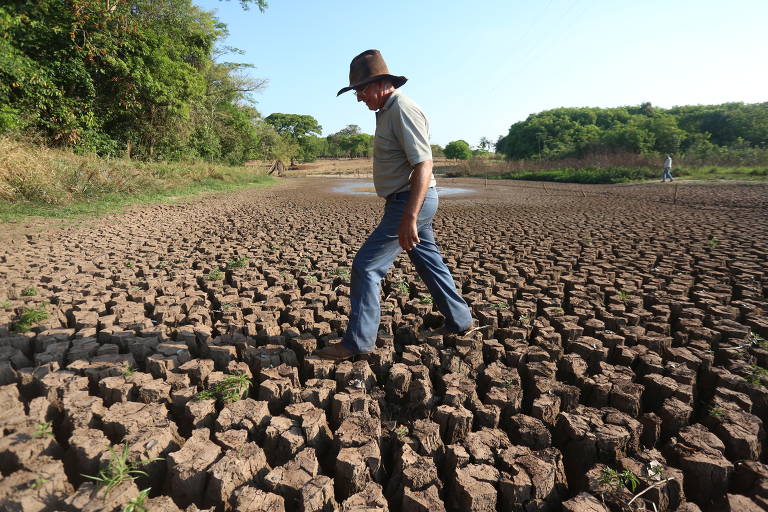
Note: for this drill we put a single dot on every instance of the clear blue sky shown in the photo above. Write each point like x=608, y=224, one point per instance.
x=477, y=67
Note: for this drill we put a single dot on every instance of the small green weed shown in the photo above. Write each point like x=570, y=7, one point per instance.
x=311, y=279
x=754, y=339
x=128, y=370
x=403, y=287
x=713, y=242
x=425, y=299
x=233, y=263
x=231, y=389
x=38, y=482
x=29, y=292
x=130, y=264
x=757, y=375
x=524, y=320
x=139, y=503
x=30, y=317
x=120, y=469
x=5, y=304
x=500, y=305
x=44, y=430
x=214, y=275
x=341, y=272
x=509, y=383
x=401, y=432
x=716, y=412
x=623, y=296
x=618, y=480
x=161, y=266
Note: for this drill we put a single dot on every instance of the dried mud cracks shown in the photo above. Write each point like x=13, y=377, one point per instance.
x=621, y=335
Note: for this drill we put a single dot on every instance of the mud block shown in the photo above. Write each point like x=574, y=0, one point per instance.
x=283, y=438
x=316, y=368
x=250, y=499
x=154, y=391
x=344, y=405
x=674, y=416
x=356, y=467
x=699, y=453
x=83, y=457
x=198, y=370
x=546, y=408
x=236, y=467
x=529, y=431
x=289, y=479
x=19, y=449
x=369, y=499
x=427, y=438
x=584, y=502
x=187, y=468
x=91, y=498
x=426, y=500
x=317, y=434
x=474, y=488
x=127, y=417
x=200, y=413
x=741, y=432
x=247, y=414
x=318, y=392
x=398, y=382
x=358, y=430
x=317, y=495
x=455, y=423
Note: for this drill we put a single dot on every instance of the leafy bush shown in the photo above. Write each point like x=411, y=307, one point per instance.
x=592, y=176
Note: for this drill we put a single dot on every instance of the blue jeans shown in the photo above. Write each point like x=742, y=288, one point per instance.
x=376, y=256
x=666, y=175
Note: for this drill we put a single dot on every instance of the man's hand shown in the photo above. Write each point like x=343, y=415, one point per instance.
x=408, y=234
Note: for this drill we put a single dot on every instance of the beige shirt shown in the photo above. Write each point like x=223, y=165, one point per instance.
x=401, y=142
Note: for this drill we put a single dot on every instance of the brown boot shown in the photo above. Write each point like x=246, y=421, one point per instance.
x=335, y=352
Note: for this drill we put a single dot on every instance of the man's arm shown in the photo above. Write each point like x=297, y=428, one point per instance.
x=420, y=178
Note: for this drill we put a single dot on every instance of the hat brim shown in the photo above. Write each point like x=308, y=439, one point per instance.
x=397, y=81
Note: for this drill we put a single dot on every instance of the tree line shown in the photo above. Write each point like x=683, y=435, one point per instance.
x=692, y=130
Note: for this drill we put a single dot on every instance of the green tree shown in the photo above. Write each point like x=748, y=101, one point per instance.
x=458, y=150
x=297, y=128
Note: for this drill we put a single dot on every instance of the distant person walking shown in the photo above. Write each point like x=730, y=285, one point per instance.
x=402, y=174
x=667, y=169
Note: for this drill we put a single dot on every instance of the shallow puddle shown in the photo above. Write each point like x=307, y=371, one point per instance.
x=366, y=189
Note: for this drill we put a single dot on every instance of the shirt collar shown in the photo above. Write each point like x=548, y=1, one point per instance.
x=390, y=100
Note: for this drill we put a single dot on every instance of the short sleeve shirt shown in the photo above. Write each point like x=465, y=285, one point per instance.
x=401, y=142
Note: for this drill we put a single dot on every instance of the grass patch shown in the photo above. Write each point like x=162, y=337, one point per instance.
x=591, y=176
x=617, y=480
x=233, y=263
x=214, y=275
x=231, y=389
x=119, y=469
x=613, y=175
x=44, y=182
x=44, y=430
x=30, y=317
x=139, y=503
x=29, y=292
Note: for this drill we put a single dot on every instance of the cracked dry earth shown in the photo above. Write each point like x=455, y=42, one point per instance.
x=621, y=333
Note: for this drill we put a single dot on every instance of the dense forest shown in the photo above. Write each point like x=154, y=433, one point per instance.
x=699, y=130
x=143, y=79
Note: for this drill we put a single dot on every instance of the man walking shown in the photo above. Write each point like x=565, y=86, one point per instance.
x=402, y=174
x=667, y=172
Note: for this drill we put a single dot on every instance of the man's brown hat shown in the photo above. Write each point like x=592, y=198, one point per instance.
x=368, y=67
